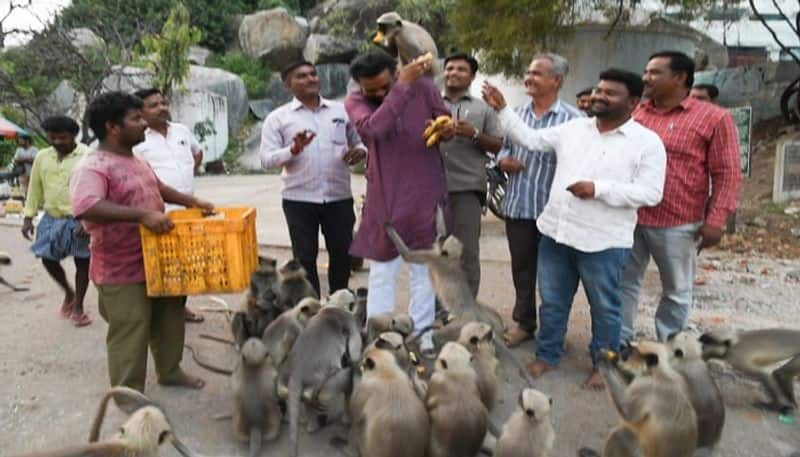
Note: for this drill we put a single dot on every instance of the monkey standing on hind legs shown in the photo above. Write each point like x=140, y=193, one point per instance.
x=319, y=368
x=656, y=417
x=449, y=281
x=755, y=353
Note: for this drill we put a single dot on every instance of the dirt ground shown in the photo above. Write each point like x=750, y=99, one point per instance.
x=52, y=375
x=764, y=227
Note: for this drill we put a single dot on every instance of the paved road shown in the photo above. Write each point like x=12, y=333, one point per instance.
x=51, y=375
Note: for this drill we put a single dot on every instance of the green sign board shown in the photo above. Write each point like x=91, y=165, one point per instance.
x=743, y=117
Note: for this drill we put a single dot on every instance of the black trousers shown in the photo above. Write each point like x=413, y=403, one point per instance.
x=523, y=243
x=336, y=220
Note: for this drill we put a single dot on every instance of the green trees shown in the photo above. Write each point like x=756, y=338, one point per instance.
x=166, y=54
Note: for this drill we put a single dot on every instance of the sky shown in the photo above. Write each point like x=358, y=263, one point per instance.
x=27, y=18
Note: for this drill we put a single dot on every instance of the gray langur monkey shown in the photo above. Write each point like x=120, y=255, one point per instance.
x=389, y=322
x=528, y=432
x=686, y=356
x=389, y=419
x=342, y=298
x=395, y=344
x=261, y=304
x=478, y=338
x=449, y=280
x=403, y=39
x=320, y=368
x=656, y=417
x=293, y=285
x=5, y=259
x=255, y=405
x=280, y=335
x=140, y=436
x=458, y=417
x=755, y=353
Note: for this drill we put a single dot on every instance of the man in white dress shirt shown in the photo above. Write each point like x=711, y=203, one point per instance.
x=607, y=167
x=171, y=150
x=314, y=142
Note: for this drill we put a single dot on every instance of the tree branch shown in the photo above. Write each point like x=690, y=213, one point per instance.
x=772, y=32
x=620, y=8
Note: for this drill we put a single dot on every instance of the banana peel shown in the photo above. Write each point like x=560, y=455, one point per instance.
x=432, y=133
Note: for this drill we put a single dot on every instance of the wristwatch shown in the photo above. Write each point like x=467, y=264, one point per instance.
x=476, y=136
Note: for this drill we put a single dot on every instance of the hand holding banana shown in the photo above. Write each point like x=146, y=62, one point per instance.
x=433, y=133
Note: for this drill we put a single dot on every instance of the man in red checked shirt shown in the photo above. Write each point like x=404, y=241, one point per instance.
x=702, y=144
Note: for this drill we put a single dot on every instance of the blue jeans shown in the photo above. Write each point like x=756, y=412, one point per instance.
x=560, y=269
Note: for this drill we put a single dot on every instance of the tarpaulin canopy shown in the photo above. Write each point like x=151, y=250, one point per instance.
x=9, y=129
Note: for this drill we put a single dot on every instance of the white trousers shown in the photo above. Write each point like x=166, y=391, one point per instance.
x=382, y=285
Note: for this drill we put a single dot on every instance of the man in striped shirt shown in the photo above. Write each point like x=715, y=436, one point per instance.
x=530, y=175
x=702, y=143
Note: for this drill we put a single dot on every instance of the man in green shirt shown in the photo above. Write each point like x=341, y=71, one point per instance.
x=58, y=234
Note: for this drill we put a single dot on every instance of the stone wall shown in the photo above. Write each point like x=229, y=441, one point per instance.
x=759, y=85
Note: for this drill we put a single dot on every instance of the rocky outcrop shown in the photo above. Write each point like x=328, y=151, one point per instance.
x=274, y=35
x=333, y=81
x=83, y=38
x=222, y=83
x=199, y=55
x=327, y=49
x=358, y=16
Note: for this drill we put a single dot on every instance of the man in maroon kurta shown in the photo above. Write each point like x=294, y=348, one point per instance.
x=405, y=178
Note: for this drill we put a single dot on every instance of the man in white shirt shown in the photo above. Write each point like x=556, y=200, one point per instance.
x=314, y=142
x=607, y=167
x=172, y=152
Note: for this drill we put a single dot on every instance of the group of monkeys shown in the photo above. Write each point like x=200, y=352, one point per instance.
x=295, y=351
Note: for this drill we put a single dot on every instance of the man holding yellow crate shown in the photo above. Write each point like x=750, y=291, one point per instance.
x=112, y=191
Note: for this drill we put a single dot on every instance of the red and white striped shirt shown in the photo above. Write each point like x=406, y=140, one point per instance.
x=701, y=142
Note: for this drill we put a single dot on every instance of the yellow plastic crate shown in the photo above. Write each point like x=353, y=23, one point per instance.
x=201, y=255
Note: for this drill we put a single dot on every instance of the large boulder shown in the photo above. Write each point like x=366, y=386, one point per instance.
x=333, y=79
x=205, y=113
x=327, y=49
x=224, y=83
x=198, y=55
x=358, y=16
x=273, y=35
x=84, y=38
x=251, y=155
x=128, y=79
x=333, y=82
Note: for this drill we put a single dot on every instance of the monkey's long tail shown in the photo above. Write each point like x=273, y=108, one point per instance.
x=208, y=366
x=504, y=351
x=255, y=441
x=135, y=398
x=218, y=339
x=295, y=385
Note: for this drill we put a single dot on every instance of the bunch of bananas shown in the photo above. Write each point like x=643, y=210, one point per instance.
x=432, y=133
